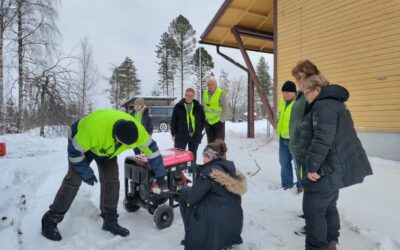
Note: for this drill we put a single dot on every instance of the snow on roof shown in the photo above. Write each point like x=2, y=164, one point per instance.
x=171, y=98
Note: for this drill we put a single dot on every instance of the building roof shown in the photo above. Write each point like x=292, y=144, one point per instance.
x=255, y=18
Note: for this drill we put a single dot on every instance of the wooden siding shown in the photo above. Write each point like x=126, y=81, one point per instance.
x=355, y=44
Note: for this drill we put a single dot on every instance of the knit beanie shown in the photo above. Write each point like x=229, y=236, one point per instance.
x=289, y=86
x=126, y=131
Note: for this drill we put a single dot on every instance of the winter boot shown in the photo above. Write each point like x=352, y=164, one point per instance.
x=111, y=224
x=49, y=225
x=62, y=202
x=332, y=245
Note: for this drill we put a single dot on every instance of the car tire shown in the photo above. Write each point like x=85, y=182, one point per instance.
x=163, y=127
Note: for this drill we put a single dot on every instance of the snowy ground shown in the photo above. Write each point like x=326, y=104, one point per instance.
x=33, y=169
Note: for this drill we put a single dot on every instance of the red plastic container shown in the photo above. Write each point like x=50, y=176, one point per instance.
x=2, y=149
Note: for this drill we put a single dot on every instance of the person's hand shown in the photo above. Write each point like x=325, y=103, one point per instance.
x=313, y=176
x=91, y=181
x=173, y=138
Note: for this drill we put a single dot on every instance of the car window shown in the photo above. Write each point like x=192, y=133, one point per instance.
x=154, y=111
x=170, y=110
x=161, y=111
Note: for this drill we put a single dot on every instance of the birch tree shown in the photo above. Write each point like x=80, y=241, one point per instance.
x=87, y=76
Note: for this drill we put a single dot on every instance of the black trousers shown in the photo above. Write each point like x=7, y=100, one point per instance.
x=193, y=146
x=109, y=189
x=185, y=211
x=215, y=131
x=322, y=219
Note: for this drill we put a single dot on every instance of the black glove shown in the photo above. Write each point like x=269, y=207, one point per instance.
x=91, y=181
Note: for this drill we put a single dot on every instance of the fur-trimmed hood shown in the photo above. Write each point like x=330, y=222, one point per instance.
x=236, y=185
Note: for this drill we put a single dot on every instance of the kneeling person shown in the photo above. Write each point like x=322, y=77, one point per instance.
x=211, y=210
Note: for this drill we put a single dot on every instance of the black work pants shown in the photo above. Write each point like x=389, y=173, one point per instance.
x=109, y=189
x=193, y=146
x=215, y=131
x=322, y=219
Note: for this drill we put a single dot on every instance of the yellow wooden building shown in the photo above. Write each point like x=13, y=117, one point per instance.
x=354, y=43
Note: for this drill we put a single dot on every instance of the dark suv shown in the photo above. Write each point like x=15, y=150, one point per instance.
x=161, y=117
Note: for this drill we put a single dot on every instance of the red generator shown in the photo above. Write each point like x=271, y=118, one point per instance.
x=139, y=177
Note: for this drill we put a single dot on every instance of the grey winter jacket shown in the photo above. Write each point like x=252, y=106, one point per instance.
x=329, y=143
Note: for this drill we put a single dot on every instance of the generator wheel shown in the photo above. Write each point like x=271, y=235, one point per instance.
x=130, y=205
x=163, y=217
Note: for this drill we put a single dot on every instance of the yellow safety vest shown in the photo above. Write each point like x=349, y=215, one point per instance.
x=191, y=117
x=212, y=109
x=282, y=128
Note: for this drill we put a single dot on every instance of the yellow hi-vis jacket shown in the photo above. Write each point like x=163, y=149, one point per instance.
x=212, y=109
x=282, y=128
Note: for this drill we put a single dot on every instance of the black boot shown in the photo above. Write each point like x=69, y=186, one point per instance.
x=49, y=226
x=111, y=224
x=58, y=209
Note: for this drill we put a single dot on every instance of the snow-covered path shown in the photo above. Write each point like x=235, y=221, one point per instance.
x=33, y=170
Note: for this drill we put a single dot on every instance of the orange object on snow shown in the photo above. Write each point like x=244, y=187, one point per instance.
x=2, y=149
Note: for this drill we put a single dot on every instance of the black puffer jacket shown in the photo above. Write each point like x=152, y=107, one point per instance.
x=329, y=143
x=215, y=219
x=179, y=127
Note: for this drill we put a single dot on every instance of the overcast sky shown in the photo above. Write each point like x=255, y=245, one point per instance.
x=133, y=28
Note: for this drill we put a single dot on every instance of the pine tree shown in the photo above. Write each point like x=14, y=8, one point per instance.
x=202, y=63
x=128, y=76
x=167, y=52
x=184, y=35
x=266, y=85
x=124, y=83
x=264, y=77
x=114, y=89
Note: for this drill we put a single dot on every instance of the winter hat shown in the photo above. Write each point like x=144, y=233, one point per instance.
x=126, y=131
x=138, y=101
x=215, y=150
x=289, y=86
